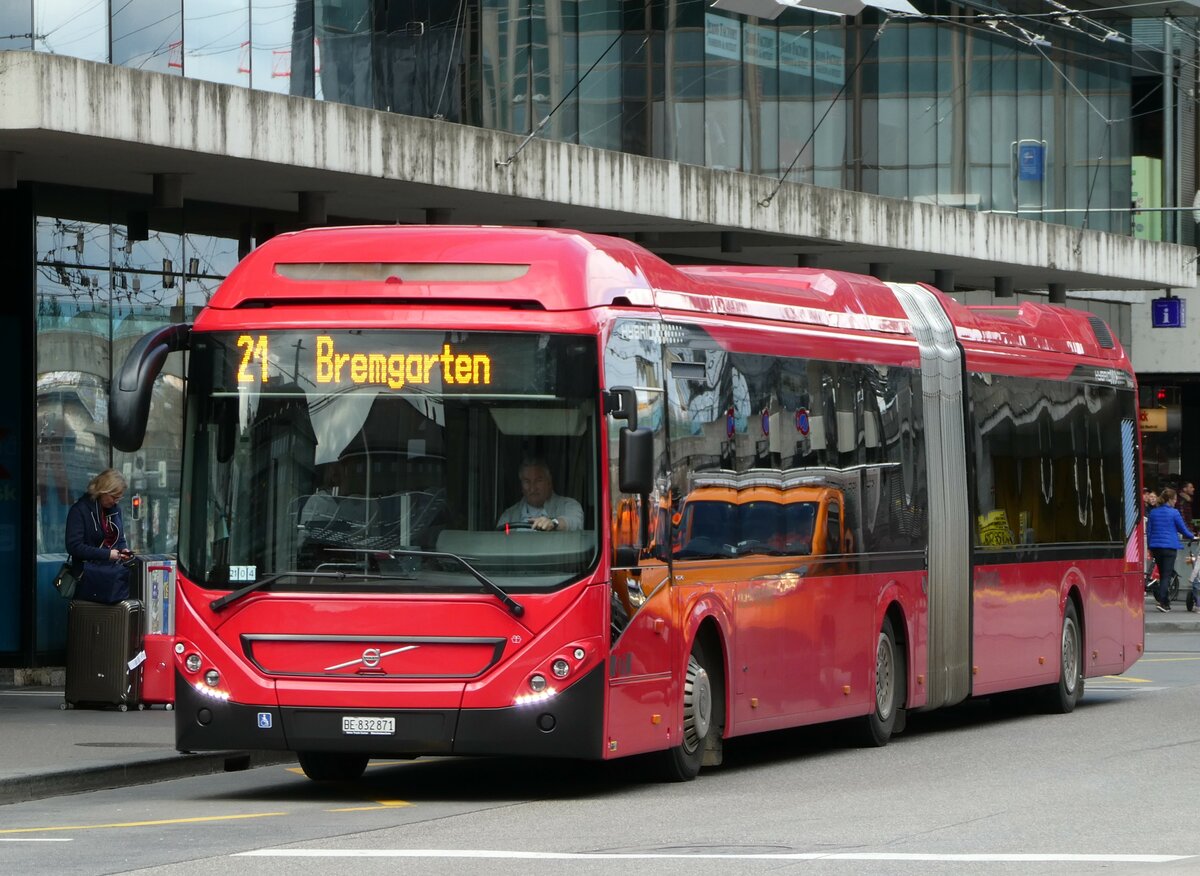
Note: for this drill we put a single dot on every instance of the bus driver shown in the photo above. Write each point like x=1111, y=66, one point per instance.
x=540, y=507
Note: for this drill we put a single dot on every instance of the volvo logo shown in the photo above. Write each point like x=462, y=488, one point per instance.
x=370, y=658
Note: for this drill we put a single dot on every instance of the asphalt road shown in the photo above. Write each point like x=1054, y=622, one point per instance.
x=1111, y=788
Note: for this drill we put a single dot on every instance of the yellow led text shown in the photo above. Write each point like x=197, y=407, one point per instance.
x=396, y=369
x=252, y=349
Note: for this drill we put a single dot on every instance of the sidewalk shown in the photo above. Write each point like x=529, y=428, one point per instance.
x=47, y=751
x=1177, y=620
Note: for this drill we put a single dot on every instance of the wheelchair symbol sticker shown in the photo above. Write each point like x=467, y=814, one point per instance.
x=264, y=720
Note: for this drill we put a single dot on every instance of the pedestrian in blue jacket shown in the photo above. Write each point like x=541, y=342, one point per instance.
x=1164, y=525
x=96, y=540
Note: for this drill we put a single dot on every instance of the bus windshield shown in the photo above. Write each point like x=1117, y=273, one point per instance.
x=377, y=461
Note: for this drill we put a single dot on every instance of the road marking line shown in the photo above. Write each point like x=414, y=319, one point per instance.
x=379, y=804
x=197, y=820
x=34, y=839
x=797, y=856
x=1169, y=659
x=1127, y=678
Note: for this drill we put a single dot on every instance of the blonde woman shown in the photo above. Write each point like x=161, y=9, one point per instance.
x=96, y=540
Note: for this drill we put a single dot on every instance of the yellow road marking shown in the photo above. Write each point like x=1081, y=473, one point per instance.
x=1169, y=659
x=379, y=804
x=143, y=823
x=1128, y=678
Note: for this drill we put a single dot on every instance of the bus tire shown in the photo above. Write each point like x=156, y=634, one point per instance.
x=701, y=732
x=1061, y=697
x=328, y=766
x=891, y=679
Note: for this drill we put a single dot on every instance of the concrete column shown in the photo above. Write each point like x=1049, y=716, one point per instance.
x=1058, y=293
x=1004, y=287
x=944, y=279
x=137, y=225
x=168, y=190
x=8, y=170
x=312, y=208
x=880, y=271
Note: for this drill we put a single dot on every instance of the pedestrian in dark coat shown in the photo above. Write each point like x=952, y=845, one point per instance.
x=96, y=540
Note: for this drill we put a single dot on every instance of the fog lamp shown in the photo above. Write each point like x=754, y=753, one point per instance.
x=192, y=662
x=537, y=683
x=560, y=668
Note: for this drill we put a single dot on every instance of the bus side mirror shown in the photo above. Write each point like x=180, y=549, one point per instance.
x=129, y=393
x=635, y=467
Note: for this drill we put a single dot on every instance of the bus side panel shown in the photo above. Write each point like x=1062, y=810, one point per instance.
x=1104, y=626
x=1017, y=625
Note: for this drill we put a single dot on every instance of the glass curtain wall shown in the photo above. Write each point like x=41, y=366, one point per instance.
x=943, y=109
x=108, y=271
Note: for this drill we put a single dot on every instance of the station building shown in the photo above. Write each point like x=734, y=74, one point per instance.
x=147, y=145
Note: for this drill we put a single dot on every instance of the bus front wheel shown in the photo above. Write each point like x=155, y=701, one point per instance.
x=703, y=704
x=327, y=766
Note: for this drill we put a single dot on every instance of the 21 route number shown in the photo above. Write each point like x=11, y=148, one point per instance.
x=253, y=349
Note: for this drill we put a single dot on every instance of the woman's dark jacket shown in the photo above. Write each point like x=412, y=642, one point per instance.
x=103, y=580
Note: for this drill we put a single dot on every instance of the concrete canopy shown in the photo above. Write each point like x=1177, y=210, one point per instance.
x=80, y=123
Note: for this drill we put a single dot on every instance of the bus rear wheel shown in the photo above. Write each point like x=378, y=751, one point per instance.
x=891, y=681
x=1061, y=697
x=327, y=766
x=701, y=737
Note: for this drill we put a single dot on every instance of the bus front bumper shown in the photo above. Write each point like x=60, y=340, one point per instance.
x=569, y=725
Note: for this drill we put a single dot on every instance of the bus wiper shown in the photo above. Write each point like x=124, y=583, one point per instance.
x=234, y=596
x=491, y=586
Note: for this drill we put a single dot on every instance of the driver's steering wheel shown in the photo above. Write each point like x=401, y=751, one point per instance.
x=522, y=525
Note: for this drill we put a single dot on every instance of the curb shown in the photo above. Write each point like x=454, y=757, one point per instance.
x=39, y=786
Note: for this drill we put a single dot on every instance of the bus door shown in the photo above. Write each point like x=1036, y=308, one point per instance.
x=643, y=629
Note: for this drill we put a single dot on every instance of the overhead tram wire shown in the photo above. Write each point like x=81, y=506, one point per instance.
x=766, y=202
x=578, y=82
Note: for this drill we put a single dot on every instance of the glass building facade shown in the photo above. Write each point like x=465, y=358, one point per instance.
x=952, y=109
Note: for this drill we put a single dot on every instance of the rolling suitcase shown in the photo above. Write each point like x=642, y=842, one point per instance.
x=104, y=644
x=158, y=672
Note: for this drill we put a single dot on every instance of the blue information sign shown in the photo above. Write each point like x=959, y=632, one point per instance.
x=1031, y=161
x=1167, y=313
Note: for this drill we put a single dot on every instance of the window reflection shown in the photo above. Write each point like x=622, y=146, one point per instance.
x=343, y=46
x=148, y=35
x=16, y=25
x=98, y=292
x=217, y=40
x=282, y=54
x=67, y=27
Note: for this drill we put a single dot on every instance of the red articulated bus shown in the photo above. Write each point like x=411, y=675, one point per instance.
x=536, y=492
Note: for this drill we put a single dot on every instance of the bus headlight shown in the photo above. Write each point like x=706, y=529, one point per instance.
x=192, y=662
x=537, y=683
x=560, y=668
x=212, y=678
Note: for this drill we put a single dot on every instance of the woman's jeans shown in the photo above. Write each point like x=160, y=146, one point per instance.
x=1164, y=558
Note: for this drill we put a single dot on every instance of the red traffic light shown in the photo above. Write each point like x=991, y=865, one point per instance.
x=135, y=505
x=1161, y=395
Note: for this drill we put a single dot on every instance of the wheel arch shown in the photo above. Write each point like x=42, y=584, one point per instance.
x=708, y=626
x=891, y=607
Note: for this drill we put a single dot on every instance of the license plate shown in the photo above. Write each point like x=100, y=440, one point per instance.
x=358, y=726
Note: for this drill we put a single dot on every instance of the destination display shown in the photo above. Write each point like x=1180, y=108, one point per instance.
x=391, y=369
